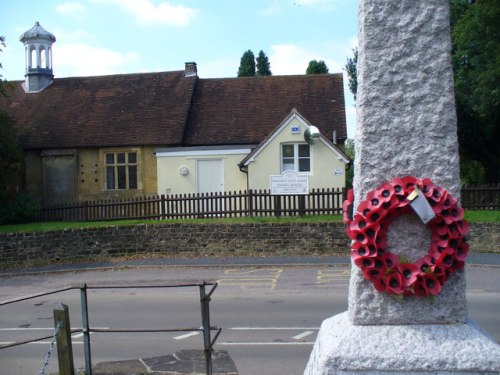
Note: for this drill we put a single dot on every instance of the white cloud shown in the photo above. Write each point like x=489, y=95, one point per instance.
x=146, y=12
x=72, y=9
x=292, y=59
x=83, y=60
x=322, y=5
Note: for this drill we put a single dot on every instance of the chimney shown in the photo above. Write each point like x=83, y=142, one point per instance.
x=190, y=69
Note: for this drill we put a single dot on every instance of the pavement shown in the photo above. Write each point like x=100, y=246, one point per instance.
x=474, y=258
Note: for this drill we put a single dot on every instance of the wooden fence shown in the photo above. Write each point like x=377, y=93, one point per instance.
x=190, y=206
x=484, y=197
x=233, y=204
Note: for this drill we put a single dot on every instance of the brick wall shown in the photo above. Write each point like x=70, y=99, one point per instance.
x=203, y=239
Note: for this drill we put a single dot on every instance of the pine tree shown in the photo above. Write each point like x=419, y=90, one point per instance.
x=247, y=65
x=263, y=65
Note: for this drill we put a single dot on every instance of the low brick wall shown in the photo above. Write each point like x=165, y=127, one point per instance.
x=202, y=239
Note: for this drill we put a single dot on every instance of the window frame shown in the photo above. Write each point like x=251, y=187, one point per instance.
x=116, y=165
x=296, y=157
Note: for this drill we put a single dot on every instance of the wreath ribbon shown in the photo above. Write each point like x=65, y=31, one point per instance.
x=369, y=225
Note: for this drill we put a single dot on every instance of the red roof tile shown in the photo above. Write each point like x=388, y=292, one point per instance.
x=169, y=109
x=117, y=110
x=246, y=110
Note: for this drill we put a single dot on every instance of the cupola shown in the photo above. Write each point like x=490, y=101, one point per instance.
x=38, y=58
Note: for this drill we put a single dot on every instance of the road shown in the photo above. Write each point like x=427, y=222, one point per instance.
x=270, y=315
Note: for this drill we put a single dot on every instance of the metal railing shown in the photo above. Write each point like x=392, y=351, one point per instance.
x=86, y=330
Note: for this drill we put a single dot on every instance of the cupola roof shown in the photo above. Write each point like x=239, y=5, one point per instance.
x=37, y=32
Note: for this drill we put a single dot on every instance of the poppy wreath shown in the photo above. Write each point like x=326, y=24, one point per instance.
x=368, y=227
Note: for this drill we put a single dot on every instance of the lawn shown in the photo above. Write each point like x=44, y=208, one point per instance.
x=471, y=216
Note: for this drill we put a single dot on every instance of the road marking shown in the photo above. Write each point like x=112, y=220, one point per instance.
x=255, y=279
x=302, y=335
x=36, y=343
x=265, y=343
x=333, y=277
x=186, y=335
x=41, y=328
x=273, y=328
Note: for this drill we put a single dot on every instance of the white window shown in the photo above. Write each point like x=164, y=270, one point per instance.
x=295, y=157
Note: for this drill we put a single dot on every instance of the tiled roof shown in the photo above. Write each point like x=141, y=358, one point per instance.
x=117, y=110
x=246, y=110
x=169, y=109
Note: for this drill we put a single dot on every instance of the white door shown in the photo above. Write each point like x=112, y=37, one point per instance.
x=210, y=176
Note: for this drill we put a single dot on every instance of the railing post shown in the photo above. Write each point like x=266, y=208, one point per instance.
x=64, y=347
x=205, y=317
x=85, y=329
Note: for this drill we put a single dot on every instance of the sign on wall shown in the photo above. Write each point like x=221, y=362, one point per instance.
x=289, y=183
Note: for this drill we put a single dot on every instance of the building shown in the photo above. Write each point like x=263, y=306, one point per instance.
x=90, y=138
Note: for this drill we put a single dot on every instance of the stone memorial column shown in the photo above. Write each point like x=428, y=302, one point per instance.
x=406, y=127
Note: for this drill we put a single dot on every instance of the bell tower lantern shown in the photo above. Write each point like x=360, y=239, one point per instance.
x=38, y=58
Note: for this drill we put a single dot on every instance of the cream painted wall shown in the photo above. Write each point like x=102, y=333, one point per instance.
x=324, y=161
x=170, y=180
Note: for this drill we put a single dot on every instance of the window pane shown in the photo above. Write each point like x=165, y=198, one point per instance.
x=287, y=151
x=110, y=178
x=132, y=177
x=304, y=151
x=132, y=158
x=288, y=165
x=110, y=158
x=120, y=158
x=122, y=178
x=305, y=165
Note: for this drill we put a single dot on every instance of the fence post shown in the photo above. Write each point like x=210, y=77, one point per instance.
x=64, y=347
x=250, y=202
x=162, y=203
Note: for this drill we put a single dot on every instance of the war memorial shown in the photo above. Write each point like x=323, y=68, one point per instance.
x=407, y=311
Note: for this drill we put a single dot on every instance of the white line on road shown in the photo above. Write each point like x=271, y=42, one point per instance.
x=185, y=336
x=264, y=343
x=37, y=342
x=302, y=335
x=41, y=328
x=273, y=328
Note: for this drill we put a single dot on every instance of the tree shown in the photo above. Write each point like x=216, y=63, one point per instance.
x=247, y=65
x=2, y=85
x=263, y=65
x=352, y=72
x=317, y=67
x=475, y=35
x=15, y=206
x=349, y=173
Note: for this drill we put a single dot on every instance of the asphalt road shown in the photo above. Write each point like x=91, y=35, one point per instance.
x=270, y=315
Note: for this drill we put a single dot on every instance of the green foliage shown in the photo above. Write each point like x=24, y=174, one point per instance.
x=472, y=172
x=317, y=67
x=247, y=65
x=15, y=206
x=351, y=68
x=263, y=65
x=19, y=208
x=349, y=174
x=476, y=64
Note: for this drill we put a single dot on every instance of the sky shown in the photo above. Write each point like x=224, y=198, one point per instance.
x=101, y=37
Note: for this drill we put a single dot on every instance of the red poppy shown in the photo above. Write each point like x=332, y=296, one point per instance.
x=410, y=272
x=431, y=284
x=395, y=283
